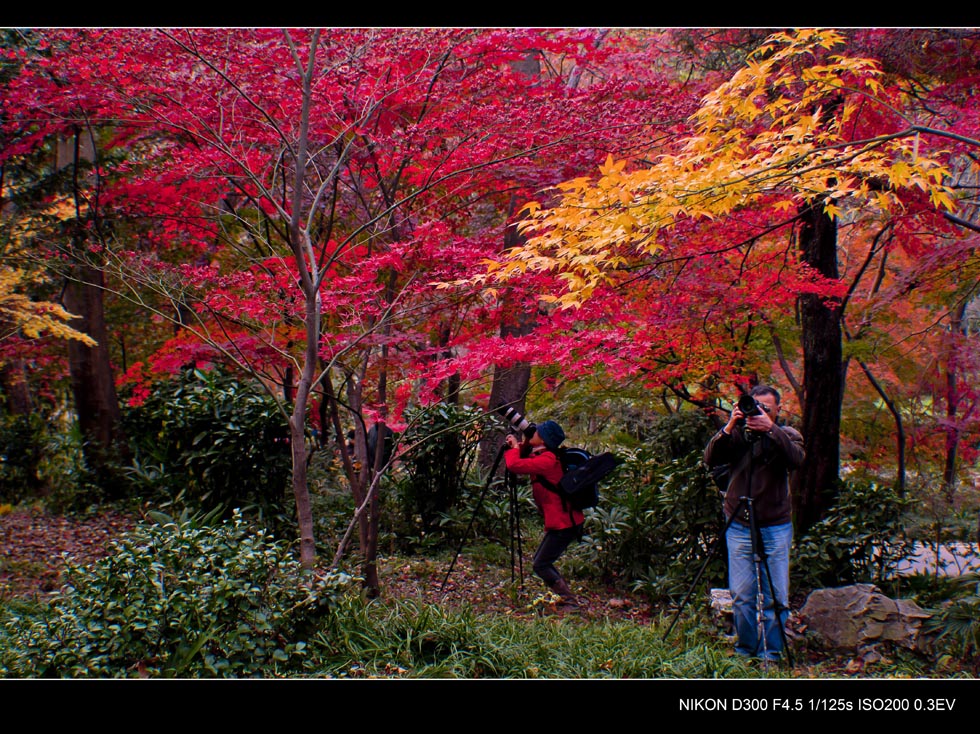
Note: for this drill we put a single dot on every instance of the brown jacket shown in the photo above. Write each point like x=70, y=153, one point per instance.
x=765, y=462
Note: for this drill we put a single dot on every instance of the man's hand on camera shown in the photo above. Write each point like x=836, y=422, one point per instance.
x=733, y=420
x=761, y=423
x=511, y=441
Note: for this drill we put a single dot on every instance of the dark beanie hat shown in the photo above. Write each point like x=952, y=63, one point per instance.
x=551, y=433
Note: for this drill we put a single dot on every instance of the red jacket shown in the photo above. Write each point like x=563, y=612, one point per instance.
x=543, y=463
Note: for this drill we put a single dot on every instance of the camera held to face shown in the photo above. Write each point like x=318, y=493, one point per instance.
x=749, y=406
x=522, y=425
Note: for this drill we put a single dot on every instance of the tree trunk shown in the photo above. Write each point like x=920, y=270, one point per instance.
x=509, y=388
x=899, y=429
x=309, y=285
x=816, y=483
x=93, y=388
x=452, y=384
x=510, y=383
x=297, y=428
x=952, y=401
x=92, y=383
x=374, y=467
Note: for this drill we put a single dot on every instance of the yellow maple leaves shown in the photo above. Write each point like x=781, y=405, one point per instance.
x=775, y=129
x=18, y=313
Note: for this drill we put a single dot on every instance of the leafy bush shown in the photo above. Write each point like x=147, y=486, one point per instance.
x=23, y=441
x=208, y=440
x=678, y=435
x=859, y=541
x=176, y=599
x=957, y=623
x=42, y=460
x=442, y=442
x=655, y=526
x=483, y=509
x=660, y=515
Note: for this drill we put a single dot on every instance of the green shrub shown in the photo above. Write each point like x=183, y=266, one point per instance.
x=659, y=516
x=860, y=540
x=442, y=442
x=655, y=526
x=956, y=624
x=495, y=513
x=23, y=441
x=44, y=461
x=176, y=599
x=207, y=440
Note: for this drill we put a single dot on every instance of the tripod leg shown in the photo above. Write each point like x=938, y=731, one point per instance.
x=774, y=560
x=514, y=553
x=758, y=552
x=476, y=512
x=714, y=551
x=516, y=513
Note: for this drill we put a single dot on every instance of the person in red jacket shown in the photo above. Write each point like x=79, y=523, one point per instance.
x=538, y=457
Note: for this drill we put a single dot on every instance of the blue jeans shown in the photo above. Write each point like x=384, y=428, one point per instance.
x=742, y=583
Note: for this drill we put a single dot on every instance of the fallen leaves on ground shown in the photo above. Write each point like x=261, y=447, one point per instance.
x=490, y=588
x=34, y=544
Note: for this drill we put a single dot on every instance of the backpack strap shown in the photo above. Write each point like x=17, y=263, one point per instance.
x=565, y=504
x=540, y=477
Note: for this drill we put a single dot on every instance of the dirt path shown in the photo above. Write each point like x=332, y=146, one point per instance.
x=33, y=544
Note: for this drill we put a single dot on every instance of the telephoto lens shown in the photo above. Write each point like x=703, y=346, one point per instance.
x=748, y=405
x=517, y=420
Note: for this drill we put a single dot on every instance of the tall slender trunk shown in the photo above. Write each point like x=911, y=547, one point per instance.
x=899, y=429
x=510, y=383
x=297, y=434
x=952, y=401
x=92, y=384
x=309, y=284
x=816, y=482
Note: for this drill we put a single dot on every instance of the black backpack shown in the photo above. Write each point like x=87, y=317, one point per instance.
x=580, y=484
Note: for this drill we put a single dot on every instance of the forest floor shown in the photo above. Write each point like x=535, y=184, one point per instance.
x=34, y=545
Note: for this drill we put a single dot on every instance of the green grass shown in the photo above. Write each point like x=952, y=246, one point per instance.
x=417, y=640
x=407, y=639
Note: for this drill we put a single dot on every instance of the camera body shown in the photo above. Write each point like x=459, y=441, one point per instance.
x=749, y=406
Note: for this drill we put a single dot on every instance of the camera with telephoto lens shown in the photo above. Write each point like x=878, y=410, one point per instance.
x=749, y=406
x=519, y=422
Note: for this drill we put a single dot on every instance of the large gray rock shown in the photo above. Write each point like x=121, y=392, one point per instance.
x=860, y=617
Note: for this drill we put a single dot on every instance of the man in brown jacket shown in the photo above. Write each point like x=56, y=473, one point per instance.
x=760, y=454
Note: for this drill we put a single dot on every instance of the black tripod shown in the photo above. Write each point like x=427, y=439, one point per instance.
x=516, y=548
x=760, y=563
